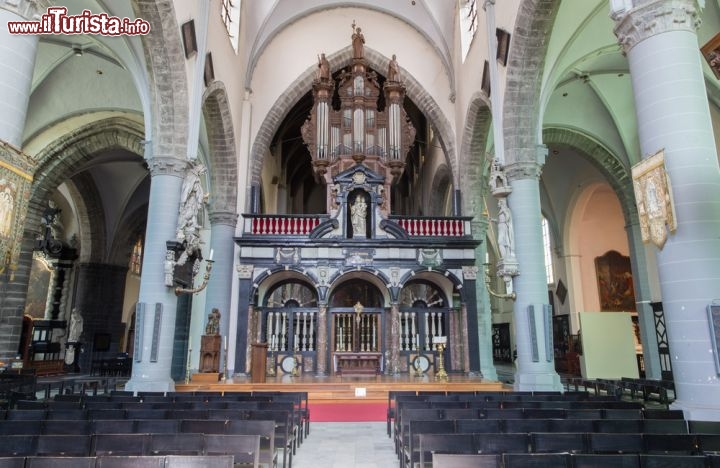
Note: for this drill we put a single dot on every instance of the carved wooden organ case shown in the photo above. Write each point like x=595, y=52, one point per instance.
x=358, y=118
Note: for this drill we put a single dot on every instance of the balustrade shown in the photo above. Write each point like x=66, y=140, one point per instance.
x=356, y=332
x=281, y=225
x=412, y=338
x=433, y=227
x=281, y=338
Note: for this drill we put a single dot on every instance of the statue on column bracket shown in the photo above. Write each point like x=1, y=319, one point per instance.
x=505, y=231
x=507, y=267
x=499, y=185
x=192, y=198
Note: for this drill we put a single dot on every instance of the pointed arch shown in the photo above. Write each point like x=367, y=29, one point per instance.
x=526, y=63
x=221, y=139
x=165, y=61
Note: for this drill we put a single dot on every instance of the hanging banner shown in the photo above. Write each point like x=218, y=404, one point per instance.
x=653, y=196
x=16, y=170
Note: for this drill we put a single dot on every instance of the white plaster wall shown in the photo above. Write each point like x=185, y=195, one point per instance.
x=597, y=225
x=130, y=298
x=469, y=73
x=75, y=87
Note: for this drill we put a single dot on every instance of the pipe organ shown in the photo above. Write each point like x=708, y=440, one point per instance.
x=368, y=123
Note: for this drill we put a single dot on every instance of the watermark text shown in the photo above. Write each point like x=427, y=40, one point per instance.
x=57, y=21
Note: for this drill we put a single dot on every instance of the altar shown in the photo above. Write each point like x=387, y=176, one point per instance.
x=360, y=363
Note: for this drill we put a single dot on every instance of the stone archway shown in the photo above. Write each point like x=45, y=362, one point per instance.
x=56, y=163
x=221, y=139
x=530, y=42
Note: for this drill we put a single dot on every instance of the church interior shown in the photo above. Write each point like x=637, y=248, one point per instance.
x=459, y=196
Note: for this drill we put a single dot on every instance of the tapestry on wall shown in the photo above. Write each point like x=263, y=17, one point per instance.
x=615, y=282
x=16, y=170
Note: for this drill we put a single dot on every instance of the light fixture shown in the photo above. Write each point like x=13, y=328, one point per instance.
x=77, y=50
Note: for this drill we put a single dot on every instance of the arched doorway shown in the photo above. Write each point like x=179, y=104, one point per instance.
x=289, y=324
x=424, y=318
x=357, y=323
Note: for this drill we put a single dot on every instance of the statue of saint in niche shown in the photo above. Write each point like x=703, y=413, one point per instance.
x=358, y=214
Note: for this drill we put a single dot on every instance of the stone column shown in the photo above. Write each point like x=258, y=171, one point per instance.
x=646, y=318
x=394, y=363
x=322, y=342
x=671, y=102
x=535, y=362
x=17, y=63
x=483, y=318
x=156, y=329
x=222, y=230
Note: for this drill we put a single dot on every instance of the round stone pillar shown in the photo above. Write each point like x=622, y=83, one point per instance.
x=671, y=103
x=156, y=328
x=531, y=314
x=222, y=230
x=17, y=63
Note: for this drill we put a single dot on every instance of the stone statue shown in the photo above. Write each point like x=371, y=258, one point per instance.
x=358, y=43
x=76, y=326
x=323, y=68
x=213, y=323
x=51, y=220
x=505, y=233
x=358, y=213
x=393, y=70
x=192, y=198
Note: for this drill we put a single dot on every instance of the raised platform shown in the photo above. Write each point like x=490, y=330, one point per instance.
x=346, y=387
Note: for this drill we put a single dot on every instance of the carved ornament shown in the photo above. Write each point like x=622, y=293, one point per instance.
x=656, y=17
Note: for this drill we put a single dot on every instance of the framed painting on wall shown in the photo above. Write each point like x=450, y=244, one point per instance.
x=615, y=282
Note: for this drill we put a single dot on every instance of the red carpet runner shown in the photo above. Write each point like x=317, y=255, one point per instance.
x=355, y=411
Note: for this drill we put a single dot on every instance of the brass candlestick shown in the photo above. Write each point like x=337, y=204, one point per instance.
x=296, y=368
x=418, y=368
x=225, y=359
x=271, y=369
x=203, y=285
x=441, y=373
x=187, y=366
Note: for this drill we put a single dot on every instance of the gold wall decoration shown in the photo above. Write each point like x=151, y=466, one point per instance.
x=16, y=170
x=653, y=196
x=711, y=52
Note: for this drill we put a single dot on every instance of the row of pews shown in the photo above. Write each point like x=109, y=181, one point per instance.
x=257, y=429
x=544, y=429
x=662, y=391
